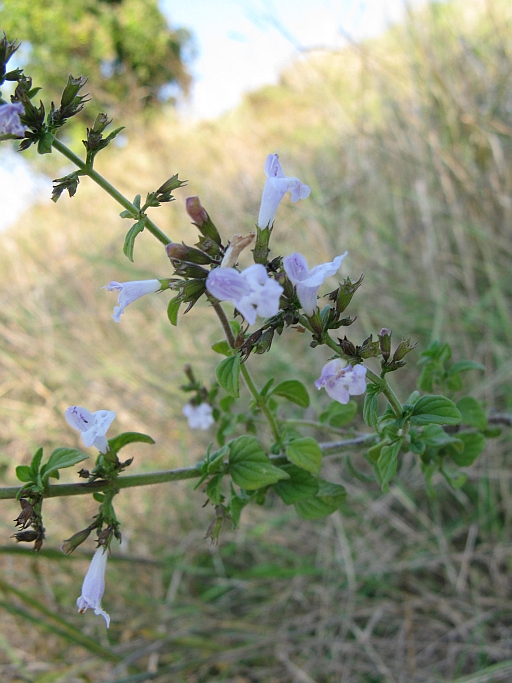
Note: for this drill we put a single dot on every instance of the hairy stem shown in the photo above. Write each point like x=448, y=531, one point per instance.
x=110, y=189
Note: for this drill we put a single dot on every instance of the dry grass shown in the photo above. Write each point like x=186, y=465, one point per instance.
x=406, y=143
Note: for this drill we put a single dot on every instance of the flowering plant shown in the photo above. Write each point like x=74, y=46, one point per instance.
x=259, y=450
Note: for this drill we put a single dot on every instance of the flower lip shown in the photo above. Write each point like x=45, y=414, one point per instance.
x=10, y=124
x=129, y=292
x=276, y=186
x=341, y=380
x=252, y=291
x=92, y=426
x=93, y=586
x=198, y=417
x=308, y=281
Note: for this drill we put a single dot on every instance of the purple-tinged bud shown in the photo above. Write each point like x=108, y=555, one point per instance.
x=196, y=211
x=385, y=343
x=181, y=252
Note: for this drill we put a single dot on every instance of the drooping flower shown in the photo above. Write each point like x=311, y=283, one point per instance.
x=129, y=291
x=252, y=291
x=308, y=281
x=276, y=186
x=10, y=120
x=93, y=426
x=198, y=417
x=341, y=380
x=94, y=585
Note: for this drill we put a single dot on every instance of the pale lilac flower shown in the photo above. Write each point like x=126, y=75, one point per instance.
x=93, y=426
x=10, y=120
x=308, y=281
x=94, y=585
x=276, y=186
x=341, y=380
x=129, y=291
x=198, y=417
x=252, y=291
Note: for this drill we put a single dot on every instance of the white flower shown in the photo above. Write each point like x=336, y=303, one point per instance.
x=276, y=186
x=341, y=380
x=10, y=124
x=129, y=291
x=252, y=291
x=94, y=585
x=307, y=281
x=198, y=417
x=93, y=426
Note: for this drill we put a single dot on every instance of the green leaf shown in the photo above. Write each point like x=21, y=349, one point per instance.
x=305, y=453
x=294, y=391
x=60, y=459
x=236, y=505
x=24, y=473
x=129, y=240
x=472, y=412
x=249, y=465
x=435, y=410
x=370, y=409
x=222, y=347
x=299, y=486
x=36, y=461
x=117, y=442
x=388, y=461
x=338, y=414
x=473, y=445
x=327, y=500
x=213, y=489
x=228, y=375
x=173, y=309
x=434, y=436
x=463, y=366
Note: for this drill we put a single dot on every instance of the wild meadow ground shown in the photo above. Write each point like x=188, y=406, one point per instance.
x=405, y=142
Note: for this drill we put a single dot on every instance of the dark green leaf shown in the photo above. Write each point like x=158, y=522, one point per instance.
x=129, y=240
x=173, y=309
x=473, y=445
x=213, y=489
x=388, y=461
x=434, y=436
x=435, y=410
x=44, y=146
x=228, y=375
x=117, y=442
x=222, y=347
x=327, y=500
x=294, y=391
x=60, y=459
x=463, y=366
x=299, y=486
x=24, y=473
x=305, y=453
x=370, y=409
x=249, y=465
x=472, y=412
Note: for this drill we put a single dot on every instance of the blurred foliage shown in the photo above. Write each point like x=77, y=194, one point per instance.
x=127, y=50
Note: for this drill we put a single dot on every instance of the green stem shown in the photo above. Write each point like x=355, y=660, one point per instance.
x=260, y=401
x=110, y=189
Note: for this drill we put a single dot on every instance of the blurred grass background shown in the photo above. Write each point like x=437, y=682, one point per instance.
x=406, y=143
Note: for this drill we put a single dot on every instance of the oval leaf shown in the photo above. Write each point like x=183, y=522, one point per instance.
x=473, y=445
x=228, y=375
x=327, y=500
x=435, y=410
x=305, y=453
x=60, y=459
x=249, y=465
x=294, y=391
x=472, y=412
x=117, y=442
x=299, y=486
x=24, y=473
x=173, y=309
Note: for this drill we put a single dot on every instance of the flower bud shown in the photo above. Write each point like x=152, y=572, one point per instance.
x=403, y=349
x=180, y=252
x=25, y=536
x=385, y=343
x=77, y=539
x=343, y=295
x=196, y=211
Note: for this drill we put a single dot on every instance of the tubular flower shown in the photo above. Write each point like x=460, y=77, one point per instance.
x=276, y=186
x=198, y=417
x=10, y=120
x=93, y=426
x=252, y=291
x=94, y=585
x=308, y=281
x=129, y=291
x=341, y=380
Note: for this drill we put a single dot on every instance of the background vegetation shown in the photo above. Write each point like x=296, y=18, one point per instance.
x=405, y=141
